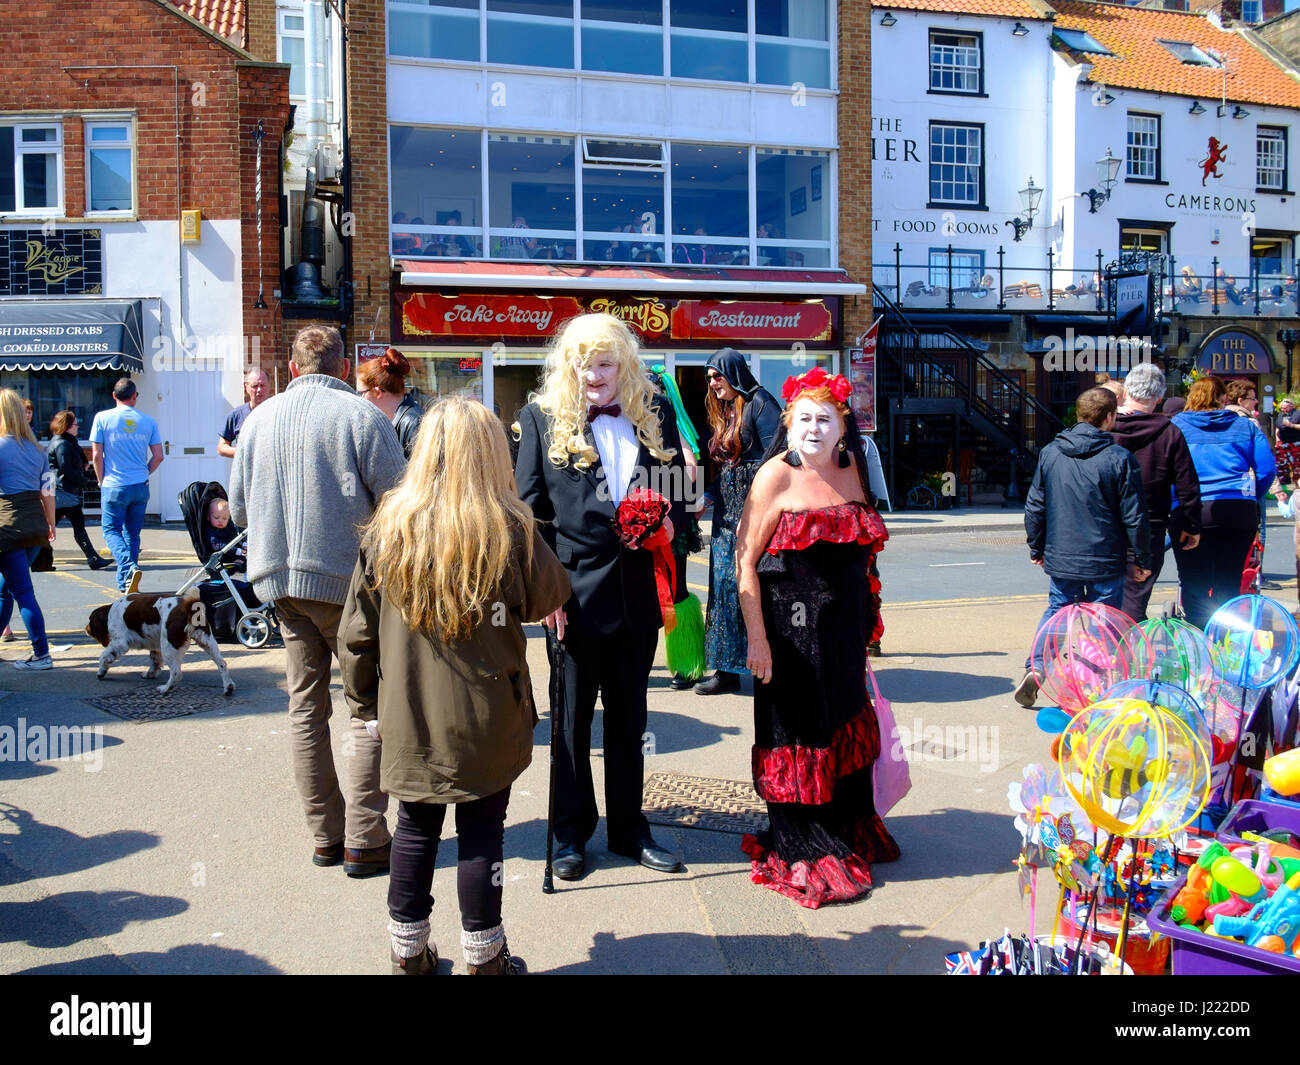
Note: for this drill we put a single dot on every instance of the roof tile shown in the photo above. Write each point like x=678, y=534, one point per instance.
x=1141, y=62
x=1022, y=9
x=226, y=18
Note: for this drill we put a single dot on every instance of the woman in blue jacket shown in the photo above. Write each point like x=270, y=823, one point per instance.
x=1235, y=466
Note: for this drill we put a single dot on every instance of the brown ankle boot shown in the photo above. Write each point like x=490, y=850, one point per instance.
x=425, y=964
x=502, y=965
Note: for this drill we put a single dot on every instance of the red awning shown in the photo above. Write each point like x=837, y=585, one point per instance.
x=548, y=275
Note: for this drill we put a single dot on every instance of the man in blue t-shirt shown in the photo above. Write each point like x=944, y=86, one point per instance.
x=125, y=449
x=257, y=388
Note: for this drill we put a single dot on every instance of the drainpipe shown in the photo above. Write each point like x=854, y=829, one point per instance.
x=314, y=63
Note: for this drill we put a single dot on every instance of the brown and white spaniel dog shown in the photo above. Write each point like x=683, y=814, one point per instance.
x=163, y=625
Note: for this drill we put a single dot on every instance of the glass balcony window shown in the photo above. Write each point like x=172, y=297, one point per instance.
x=535, y=33
x=438, y=29
x=532, y=206
x=436, y=181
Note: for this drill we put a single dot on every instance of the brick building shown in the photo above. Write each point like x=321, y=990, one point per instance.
x=118, y=118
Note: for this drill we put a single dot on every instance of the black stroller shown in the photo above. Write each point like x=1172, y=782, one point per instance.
x=225, y=599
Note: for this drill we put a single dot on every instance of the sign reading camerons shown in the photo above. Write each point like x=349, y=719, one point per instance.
x=37, y=262
x=1234, y=351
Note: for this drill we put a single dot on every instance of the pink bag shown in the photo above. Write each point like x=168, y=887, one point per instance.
x=890, y=777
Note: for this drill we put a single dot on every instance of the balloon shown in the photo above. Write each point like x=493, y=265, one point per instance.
x=1135, y=769
x=1178, y=653
x=1082, y=650
x=1254, y=639
x=1178, y=701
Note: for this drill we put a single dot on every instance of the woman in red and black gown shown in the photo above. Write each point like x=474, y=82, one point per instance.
x=808, y=540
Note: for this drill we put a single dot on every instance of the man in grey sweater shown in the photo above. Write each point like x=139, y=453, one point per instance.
x=309, y=467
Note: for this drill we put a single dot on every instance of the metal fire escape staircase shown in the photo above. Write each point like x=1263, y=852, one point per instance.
x=1006, y=424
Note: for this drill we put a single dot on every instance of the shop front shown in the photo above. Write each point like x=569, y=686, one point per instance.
x=484, y=332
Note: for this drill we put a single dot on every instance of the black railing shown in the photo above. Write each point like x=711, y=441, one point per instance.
x=1201, y=286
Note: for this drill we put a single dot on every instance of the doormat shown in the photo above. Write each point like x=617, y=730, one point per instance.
x=705, y=803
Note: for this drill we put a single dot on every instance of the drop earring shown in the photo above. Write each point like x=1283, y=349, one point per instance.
x=792, y=456
x=844, y=454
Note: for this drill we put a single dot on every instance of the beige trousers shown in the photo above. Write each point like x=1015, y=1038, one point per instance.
x=310, y=631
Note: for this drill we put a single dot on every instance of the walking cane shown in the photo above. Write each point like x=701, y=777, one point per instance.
x=557, y=709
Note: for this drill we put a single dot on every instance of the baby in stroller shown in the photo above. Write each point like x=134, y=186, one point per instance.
x=233, y=607
x=220, y=531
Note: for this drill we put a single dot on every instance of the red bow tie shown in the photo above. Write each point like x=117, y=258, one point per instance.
x=613, y=410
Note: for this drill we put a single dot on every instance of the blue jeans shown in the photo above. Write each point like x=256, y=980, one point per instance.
x=16, y=584
x=1061, y=593
x=122, y=517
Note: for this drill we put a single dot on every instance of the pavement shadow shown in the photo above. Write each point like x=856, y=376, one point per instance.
x=669, y=733
x=68, y=918
x=191, y=958
x=903, y=685
x=948, y=843
x=52, y=851
x=884, y=949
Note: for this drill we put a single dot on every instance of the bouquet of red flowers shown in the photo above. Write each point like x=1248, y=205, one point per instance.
x=639, y=523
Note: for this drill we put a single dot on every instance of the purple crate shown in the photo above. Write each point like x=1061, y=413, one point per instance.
x=1196, y=954
x=1251, y=815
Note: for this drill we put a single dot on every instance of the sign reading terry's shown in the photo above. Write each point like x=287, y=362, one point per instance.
x=48, y=262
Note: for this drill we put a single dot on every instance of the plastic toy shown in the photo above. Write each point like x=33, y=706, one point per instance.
x=1174, y=652
x=1191, y=901
x=1254, y=641
x=1082, y=650
x=1273, y=924
x=1282, y=772
x=1135, y=769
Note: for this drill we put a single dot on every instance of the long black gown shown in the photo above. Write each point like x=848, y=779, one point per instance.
x=815, y=730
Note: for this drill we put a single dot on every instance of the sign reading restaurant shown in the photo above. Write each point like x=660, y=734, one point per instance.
x=492, y=315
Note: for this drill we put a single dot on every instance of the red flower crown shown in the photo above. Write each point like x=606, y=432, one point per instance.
x=816, y=378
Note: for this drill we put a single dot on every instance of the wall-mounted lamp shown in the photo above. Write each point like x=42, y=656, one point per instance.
x=1239, y=112
x=1018, y=30
x=1030, y=196
x=1102, y=99
x=887, y=19
x=1107, y=176
x=1196, y=108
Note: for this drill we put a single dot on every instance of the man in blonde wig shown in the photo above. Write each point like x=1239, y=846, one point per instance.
x=596, y=430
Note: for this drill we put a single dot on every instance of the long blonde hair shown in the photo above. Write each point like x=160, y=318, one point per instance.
x=439, y=544
x=562, y=396
x=13, y=418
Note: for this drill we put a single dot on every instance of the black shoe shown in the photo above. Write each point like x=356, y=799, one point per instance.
x=1026, y=693
x=569, y=862
x=99, y=562
x=680, y=683
x=651, y=855
x=718, y=684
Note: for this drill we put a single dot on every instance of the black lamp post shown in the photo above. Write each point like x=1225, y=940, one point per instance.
x=1288, y=338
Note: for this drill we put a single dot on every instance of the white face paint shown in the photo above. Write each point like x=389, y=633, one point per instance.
x=815, y=429
x=600, y=377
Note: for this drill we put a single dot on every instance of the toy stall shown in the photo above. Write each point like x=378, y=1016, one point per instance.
x=1167, y=820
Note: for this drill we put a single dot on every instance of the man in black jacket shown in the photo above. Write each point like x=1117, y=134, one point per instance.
x=595, y=431
x=1084, y=514
x=1166, y=464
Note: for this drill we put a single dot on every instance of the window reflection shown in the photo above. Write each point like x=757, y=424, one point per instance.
x=531, y=197
x=710, y=201
x=447, y=30
x=629, y=203
x=536, y=33
x=437, y=190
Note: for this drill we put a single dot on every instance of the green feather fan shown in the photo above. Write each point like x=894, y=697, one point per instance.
x=685, y=644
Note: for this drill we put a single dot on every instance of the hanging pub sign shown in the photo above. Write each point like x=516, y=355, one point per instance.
x=1134, y=300
x=862, y=376
x=1234, y=351
x=490, y=315
x=47, y=262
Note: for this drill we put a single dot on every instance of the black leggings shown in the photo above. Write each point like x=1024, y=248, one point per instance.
x=480, y=839
x=78, y=522
x=1210, y=574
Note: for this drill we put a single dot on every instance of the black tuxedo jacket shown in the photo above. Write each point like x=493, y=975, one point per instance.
x=611, y=584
